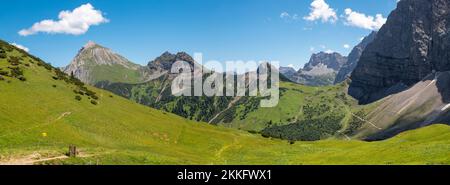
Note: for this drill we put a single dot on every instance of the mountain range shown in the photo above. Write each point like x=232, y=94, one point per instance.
x=394, y=81
x=321, y=70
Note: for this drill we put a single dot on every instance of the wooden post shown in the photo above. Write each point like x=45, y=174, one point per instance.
x=72, y=151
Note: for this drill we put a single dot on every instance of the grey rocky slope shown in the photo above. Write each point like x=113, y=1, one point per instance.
x=414, y=42
x=425, y=103
x=287, y=71
x=321, y=69
x=353, y=58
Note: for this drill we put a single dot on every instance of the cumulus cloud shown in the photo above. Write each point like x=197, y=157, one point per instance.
x=320, y=10
x=20, y=47
x=75, y=22
x=346, y=46
x=361, y=20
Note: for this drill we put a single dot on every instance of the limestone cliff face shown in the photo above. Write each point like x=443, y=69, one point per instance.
x=413, y=43
x=332, y=61
x=353, y=58
x=321, y=69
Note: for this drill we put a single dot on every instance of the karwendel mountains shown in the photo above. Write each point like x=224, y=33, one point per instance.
x=414, y=43
x=382, y=64
x=393, y=86
x=321, y=69
x=95, y=63
x=328, y=68
x=353, y=58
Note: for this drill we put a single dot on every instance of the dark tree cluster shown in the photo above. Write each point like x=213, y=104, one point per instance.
x=314, y=127
x=355, y=123
x=2, y=53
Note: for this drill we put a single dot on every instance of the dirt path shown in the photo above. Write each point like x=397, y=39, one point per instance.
x=237, y=98
x=224, y=148
x=63, y=115
x=35, y=158
x=161, y=92
x=354, y=115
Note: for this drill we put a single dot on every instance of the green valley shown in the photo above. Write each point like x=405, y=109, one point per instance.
x=43, y=111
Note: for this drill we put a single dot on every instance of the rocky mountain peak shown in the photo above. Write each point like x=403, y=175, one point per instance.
x=165, y=61
x=319, y=71
x=90, y=44
x=414, y=42
x=331, y=60
x=353, y=58
x=93, y=56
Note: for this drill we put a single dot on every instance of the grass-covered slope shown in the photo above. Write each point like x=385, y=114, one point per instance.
x=40, y=118
x=298, y=103
x=303, y=113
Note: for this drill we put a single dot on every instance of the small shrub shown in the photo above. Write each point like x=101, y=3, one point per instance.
x=53, y=85
x=1, y=78
x=95, y=97
x=94, y=102
x=78, y=98
x=22, y=78
x=16, y=72
x=14, y=61
x=111, y=96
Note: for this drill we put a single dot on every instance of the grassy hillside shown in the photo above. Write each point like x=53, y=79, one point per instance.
x=115, y=73
x=298, y=103
x=40, y=117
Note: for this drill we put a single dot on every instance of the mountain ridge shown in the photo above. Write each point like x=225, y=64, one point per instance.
x=413, y=43
x=321, y=69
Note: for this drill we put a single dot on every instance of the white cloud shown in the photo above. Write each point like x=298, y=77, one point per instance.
x=284, y=15
x=287, y=16
x=291, y=66
x=346, y=46
x=20, y=47
x=320, y=10
x=364, y=21
x=74, y=22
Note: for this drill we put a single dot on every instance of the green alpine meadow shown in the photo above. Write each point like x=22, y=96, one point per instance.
x=317, y=82
x=43, y=112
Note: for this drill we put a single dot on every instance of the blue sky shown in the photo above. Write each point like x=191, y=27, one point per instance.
x=222, y=30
